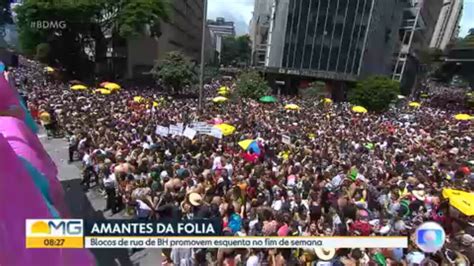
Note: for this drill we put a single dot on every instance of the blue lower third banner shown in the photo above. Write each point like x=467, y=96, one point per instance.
x=211, y=227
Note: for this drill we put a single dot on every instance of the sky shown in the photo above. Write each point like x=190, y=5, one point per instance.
x=467, y=20
x=240, y=11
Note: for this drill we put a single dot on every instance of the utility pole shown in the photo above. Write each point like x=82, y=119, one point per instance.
x=203, y=44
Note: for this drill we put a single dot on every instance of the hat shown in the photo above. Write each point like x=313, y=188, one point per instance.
x=419, y=193
x=195, y=199
x=164, y=174
x=325, y=253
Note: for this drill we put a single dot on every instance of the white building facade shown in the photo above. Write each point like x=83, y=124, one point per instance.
x=447, y=27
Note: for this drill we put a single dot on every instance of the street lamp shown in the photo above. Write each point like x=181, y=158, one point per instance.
x=203, y=43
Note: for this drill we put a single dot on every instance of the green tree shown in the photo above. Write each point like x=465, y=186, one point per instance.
x=87, y=23
x=236, y=50
x=250, y=84
x=211, y=72
x=315, y=90
x=375, y=93
x=43, y=52
x=175, y=71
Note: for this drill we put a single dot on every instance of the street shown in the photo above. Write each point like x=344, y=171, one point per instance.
x=89, y=205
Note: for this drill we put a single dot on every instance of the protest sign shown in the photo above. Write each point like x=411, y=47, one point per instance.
x=286, y=139
x=216, y=133
x=189, y=133
x=175, y=130
x=162, y=131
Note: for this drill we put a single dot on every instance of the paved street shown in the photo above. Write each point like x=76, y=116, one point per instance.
x=90, y=205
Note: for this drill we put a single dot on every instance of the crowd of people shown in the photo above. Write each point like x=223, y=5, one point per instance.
x=343, y=173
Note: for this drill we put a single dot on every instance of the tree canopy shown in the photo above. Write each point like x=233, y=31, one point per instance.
x=236, y=50
x=86, y=25
x=175, y=71
x=375, y=93
x=251, y=85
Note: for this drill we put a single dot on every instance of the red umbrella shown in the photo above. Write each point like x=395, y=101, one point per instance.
x=251, y=158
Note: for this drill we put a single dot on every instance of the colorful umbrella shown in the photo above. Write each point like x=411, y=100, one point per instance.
x=461, y=200
x=292, y=107
x=103, y=91
x=219, y=99
x=78, y=88
x=359, y=109
x=414, y=104
x=112, y=86
x=250, y=145
x=463, y=117
x=138, y=99
x=268, y=99
x=226, y=129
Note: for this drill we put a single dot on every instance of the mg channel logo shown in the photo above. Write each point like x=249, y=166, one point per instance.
x=430, y=237
x=54, y=233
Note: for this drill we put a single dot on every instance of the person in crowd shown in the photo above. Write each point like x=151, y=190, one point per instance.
x=342, y=173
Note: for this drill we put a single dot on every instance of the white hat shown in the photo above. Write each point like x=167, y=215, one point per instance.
x=325, y=253
x=419, y=193
x=195, y=199
x=163, y=174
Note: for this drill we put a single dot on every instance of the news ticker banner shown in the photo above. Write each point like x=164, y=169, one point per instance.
x=76, y=233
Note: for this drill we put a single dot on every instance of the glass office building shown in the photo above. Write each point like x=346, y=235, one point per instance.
x=326, y=35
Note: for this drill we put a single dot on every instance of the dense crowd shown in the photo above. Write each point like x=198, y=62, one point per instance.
x=344, y=173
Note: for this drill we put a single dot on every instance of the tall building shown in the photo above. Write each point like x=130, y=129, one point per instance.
x=259, y=29
x=419, y=21
x=219, y=29
x=448, y=24
x=333, y=40
x=182, y=33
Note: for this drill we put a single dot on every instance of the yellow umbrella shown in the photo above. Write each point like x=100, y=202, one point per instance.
x=327, y=100
x=49, y=69
x=414, y=104
x=103, y=91
x=112, y=86
x=155, y=104
x=219, y=99
x=224, y=89
x=222, y=93
x=138, y=99
x=461, y=200
x=463, y=117
x=78, y=88
x=226, y=129
x=359, y=109
x=292, y=107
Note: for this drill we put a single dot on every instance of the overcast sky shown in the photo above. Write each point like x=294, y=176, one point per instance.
x=240, y=11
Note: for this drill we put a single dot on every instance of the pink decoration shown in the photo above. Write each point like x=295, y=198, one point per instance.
x=22, y=200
